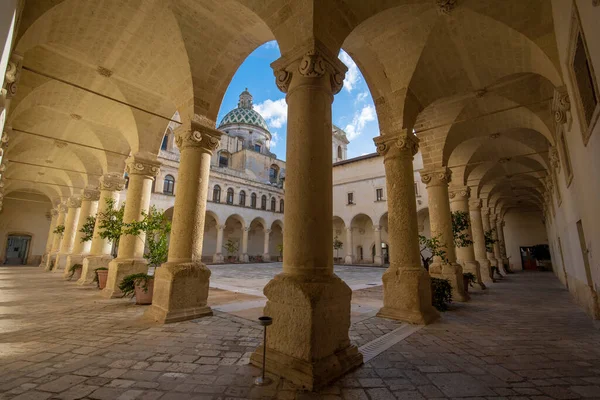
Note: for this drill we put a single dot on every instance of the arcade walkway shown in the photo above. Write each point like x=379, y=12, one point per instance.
x=523, y=338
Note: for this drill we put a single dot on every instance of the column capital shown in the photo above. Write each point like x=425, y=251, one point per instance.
x=561, y=104
x=402, y=143
x=311, y=60
x=54, y=212
x=220, y=227
x=143, y=164
x=198, y=135
x=247, y=229
x=459, y=193
x=377, y=228
x=74, y=202
x=436, y=176
x=267, y=231
x=554, y=157
x=474, y=204
x=91, y=194
x=62, y=208
x=113, y=181
x=485, y=211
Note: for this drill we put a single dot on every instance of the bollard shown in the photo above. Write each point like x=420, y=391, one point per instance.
x=263, y=380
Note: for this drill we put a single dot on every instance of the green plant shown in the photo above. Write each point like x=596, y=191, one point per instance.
x=88, y=229
x=441, y=293
x=74, y=268
x=337, y=245
x=157, y=227
x=460, y=226
x=435, y=247
x=231, y=247
x=111, y=221
x=280, y=249
x=96, y=275
x=489, y=240
x=60, y=229
x=127, y=286
x=471, y=278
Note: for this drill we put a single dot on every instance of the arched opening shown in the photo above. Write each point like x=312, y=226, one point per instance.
x=263, y=202
x=339, y=152
x=209, y=241
x=243, y=198
x=17, y=249
x=362, y=235
x=276, y=241
x=165, y=143
x=273, y=204
x=256, y=239
x=216, y=194
x=230, y=196
x=339, y=237
x=274, y=173
x=232, y=238
x=281, y=206
x=253, y=200
x=169, y=185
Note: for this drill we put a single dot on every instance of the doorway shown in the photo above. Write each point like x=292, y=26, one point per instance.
x=17, y=249
x=384, y=253
x=527, y=259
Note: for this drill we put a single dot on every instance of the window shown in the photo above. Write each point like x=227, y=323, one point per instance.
x=126, y=177
x=230, y=196
x=257, y=147
x=223, y=159
x=165, y=142
x=169, y=185
x=350, y=198
x=281, y=205
x=263, y=202
x=253, y=200
x=243, y=198
x=339, y=151
x=273, y=204
x=379, y=194
x=217, y=194
x=583, y=80
x=273, y=173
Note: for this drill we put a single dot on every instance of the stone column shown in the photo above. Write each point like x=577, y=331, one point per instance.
x=406, y=284
x=266, y=253
x=181, y=284
x=100, y=251
x=142, y=169
x=349, y=247
x=218, y=257
x=89, y=208
x=378, y=258
x=497, y=255
x=245, y=257
x=459, y=201
x=56, y=237
x=71, y=220
x=505, y=259
x=440, y=219
x=485, y=219
x=50, y=239
x=479, y=241
x=310, y=305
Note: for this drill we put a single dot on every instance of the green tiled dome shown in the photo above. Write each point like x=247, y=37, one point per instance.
x=244, y=114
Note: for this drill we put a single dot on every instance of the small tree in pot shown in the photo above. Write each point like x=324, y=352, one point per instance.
x=460, y=226
x=337, y=245
x=280, y=250
x=231, y=247
x=489, y=247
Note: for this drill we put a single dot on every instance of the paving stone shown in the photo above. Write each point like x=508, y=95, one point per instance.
x=62, y=383
x=459, y=385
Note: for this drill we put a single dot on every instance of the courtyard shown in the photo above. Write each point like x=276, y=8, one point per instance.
x=522, y=339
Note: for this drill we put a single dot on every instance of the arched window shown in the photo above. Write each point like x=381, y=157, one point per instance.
x=169, y=185
x=340, y=152
x=263, y=202
x=165, y=142
x=273, y=173
x=253, y=200
x=281, y=205
x=273, y=204
x=243, y=198
x=126, y=176
x=230, y=196
x=217, y=194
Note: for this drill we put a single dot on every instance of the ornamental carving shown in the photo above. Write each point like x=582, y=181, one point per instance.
x=312, y=65
x=561, y=105
x=485, y=211
x=474, y=204
x=283, y=79
x=62, y=208
x=441, y=176
x=54, y=213
x=199, y=136
x=91, y=194
x=112, y=182
x=460, y=193
x=74, y=202
x=140, y=166
x=405, y=143
x=554, y=158
x=445, y=6
x=12, y=75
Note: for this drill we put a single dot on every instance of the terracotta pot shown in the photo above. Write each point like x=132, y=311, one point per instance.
x=141, y=296
x=466, y=284
x=102, y=276
x=76, y=275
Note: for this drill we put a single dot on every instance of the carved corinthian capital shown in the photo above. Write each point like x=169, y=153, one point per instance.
x=475, y=204
x=91, y=194
x=112, y=181
x=74, y=202
x=402, y=143
x=198, y=136
x=145, y=165
x=436, y=177
x=554, y=157
x=459, y=192
x=11, y=77
x=561, y=105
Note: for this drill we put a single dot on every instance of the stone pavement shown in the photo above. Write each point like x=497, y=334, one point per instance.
x=522, y=339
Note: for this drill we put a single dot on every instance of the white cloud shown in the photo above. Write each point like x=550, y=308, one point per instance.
x=353, y=74
x=274, y=139
x=274, y=112
x=361, y=97
x=360, y=119
x=271, y=45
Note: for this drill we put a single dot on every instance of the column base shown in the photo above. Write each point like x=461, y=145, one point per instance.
x=349, y=260
x=90, y=264
x=118, y=269
x=44, y=261
x=50, y=262
x=180, y=292
x=308, y=342
x=500, y=265
x=474, y=268
x=218, y=258
x=60, y=262
x=454, y=274
x=486, y=271
x=378, y=260
x=245, y=258
x=506, y=264
x=266, y=257
x=407, y=296
x=72, y=259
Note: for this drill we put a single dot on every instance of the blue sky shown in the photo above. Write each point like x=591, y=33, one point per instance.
x=353, y=108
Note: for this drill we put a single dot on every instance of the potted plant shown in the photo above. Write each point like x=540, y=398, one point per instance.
x=489, y=247
x=60, y=229
x=88, y=229
x=280, y=250
x=111, y=224
x=434, y=246
x=75, y=271
x=460, y=226
x=101, y=274
x=441, y=293
x=157, y=228
x=337, y=245
x=231, y=247
x=469, y=279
